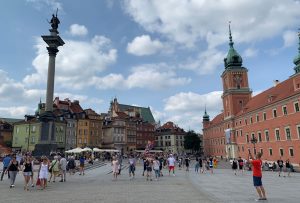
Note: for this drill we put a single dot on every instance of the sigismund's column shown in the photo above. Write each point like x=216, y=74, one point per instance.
x=47, y=141
x=53, y=40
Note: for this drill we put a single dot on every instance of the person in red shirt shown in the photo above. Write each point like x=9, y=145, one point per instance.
x=257, y=175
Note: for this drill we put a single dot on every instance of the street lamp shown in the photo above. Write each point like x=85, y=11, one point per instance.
x=254, y=141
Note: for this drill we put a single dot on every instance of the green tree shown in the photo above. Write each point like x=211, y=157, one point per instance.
x=192, y=141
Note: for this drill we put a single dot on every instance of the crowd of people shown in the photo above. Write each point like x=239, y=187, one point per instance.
x=152, y=167
x=47, y=170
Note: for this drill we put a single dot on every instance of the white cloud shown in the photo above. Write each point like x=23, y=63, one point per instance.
x=149, y=76
x=78, y=30
x=205, y=63
x=40, y=4
x=15, y=92
x=250, y=52
x=15, y=111
x=189, y=21
x=144, y=45
x=86, y=58
x=187, y=108
x=18, y=100
x=289, y=38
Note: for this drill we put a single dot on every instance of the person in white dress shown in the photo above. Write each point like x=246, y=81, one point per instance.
x=43, y=172
x=115, y=168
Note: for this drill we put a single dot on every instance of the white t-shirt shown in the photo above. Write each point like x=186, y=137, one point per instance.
x=156, y=165
x=171, y=161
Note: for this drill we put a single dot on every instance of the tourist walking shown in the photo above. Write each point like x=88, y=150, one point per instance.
x=81, y=165
x=187, y=163
x=197, y=165
x=241, y=164
x=43, y=172
x=161, y=161
x=132, y=163
x=280, y=166
x=211, y=166
x=156, y=168
x=71, y=165
x=54, y=169
x=149, y=165
x=63, y=168
x=6, y=162
x=115, y=167
x=288, y=167
x=215, y=162
x=171, y=163
x=27, y=169
x=13, y=169
x=200, y=165
x=257, y=175
x=234, y=166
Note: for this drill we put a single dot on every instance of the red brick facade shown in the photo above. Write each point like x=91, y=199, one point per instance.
x=272, y=117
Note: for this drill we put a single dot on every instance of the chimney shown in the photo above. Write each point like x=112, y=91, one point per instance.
x=276, y=82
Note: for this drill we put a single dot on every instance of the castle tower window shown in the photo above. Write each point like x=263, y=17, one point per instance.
x=274, y=113
x=259, y=137
x=296, y=105
x=281, y=152
x=277, y=134
x=291, y=151
x=284, y=110
x=270, y=151
x=267, y=136
x=288, y=133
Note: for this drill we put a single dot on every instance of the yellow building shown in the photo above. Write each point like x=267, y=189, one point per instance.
x=89, y=129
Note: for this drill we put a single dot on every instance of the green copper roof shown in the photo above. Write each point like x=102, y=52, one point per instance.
x=146, y=113
x=297, y=58
x=205, y=116
x=233, y=59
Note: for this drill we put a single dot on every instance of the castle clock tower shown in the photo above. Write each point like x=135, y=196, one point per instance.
x=236, y=92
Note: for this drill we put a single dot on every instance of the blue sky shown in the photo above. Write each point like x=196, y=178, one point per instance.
x=164, y=54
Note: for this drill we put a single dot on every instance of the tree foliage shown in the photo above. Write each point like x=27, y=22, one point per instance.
x=192, y=141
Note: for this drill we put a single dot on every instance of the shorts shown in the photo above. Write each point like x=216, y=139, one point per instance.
x=131, y=169
x=257, y=181
x=171, y=168
x=27, y=173
x=81, y=165
x=149, y=169
x=241, y=167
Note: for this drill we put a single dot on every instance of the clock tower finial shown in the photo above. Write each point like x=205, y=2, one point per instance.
x=230, y=36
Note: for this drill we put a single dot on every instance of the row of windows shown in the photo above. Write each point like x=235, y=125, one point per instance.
x=210, y=151
x=215, y=141
x=119, y=130
x=144, y=129
x=277, y=134
x=118, y=138
x=168, y=143
x=144, y=134
x=281, y=151
x=274, y=114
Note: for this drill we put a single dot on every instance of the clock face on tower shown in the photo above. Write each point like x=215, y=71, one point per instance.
x=238, y=80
